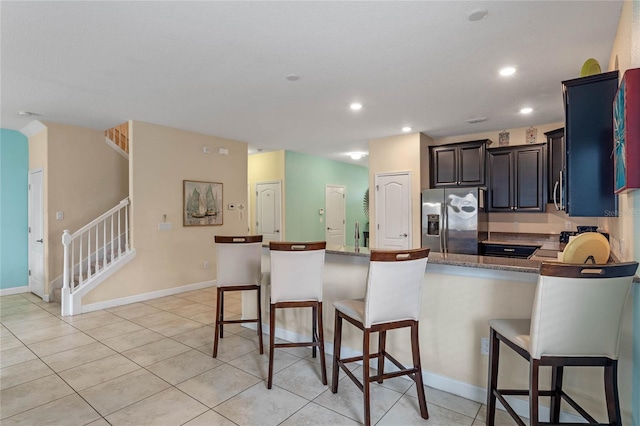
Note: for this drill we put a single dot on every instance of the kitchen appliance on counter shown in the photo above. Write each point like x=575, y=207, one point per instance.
x=565, y=235
x=454, y=220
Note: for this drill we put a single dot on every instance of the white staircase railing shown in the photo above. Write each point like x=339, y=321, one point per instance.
x=92, y=253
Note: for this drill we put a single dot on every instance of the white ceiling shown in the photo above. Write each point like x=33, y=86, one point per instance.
x=219, y=68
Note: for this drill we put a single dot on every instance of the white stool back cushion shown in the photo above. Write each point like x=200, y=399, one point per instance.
x=296, y=274
x=394, y=288
x=239, y=263
x=578, y=315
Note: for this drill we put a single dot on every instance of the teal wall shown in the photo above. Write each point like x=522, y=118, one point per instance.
x=14, y=172
x=305, y=180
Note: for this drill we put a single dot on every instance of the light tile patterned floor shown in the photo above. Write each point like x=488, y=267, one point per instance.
x=150, y=363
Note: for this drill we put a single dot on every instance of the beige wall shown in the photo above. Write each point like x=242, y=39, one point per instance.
x=397, y=154
x=625, y=229
x=86, y=177
x=38, y=160
x=83, y=178
x=160, y=159
x=265, y=167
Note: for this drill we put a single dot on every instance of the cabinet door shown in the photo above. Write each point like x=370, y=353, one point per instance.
x=471, y=164
x=589, y=143
x=528, y=179
x=556, y=158
x=500, y=181
x=444, y=166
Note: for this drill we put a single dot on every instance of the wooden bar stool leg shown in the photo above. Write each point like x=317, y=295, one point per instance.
x=415, y=348
x=260, y=320
x=314, y=329
x=534, y=385
x=382, y=340
x=494, y=356
x=323, y=361
x=365, y=377
x=218, y=324
x=611, y=393
x=220, y=305
x=556, y=386
x=272, y=332
x=337, y=341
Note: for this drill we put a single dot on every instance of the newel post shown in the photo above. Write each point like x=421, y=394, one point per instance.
x=66, y=275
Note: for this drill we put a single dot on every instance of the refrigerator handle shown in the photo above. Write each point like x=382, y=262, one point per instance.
x=443, y=228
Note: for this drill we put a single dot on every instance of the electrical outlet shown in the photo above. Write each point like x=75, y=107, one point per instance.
x=567, y=225
x=164, y=226
x=207, y=264
x=622, y=247
x=484, y=346
x=516, y=225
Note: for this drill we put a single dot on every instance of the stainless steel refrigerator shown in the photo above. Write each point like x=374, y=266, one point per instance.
x=454, y=220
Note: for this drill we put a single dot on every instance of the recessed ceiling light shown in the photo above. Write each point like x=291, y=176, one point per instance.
x=526, y=110
x=356, y=106
x=476, y=120
x=357, y=155
x=406, y=129
x=507, y=71
x=477, y=15
x=293, y=77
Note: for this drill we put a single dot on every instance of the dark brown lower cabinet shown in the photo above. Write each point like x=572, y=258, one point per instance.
x=516, y=179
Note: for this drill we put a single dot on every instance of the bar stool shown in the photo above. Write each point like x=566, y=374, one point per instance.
x=239, y=268
x=576, y=319
x=296, y=282
x=392, y=301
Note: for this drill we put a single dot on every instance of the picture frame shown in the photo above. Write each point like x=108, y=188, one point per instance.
x=531, y=135
x=503, y=138
x=202, y=203
x=626, y=133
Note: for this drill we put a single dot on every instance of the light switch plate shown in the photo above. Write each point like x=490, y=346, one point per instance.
x=59, y=215
x=164, y=226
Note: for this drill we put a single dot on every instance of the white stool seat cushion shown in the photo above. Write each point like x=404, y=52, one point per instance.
x=353, y=308
x=515, y=330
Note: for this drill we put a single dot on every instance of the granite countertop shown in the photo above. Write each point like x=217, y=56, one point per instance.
x=547, y=252
x=468, y=260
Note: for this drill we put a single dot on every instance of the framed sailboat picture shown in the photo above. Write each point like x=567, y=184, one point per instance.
x=202, y=203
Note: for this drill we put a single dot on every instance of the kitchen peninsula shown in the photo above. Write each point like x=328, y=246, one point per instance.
x=460, y=294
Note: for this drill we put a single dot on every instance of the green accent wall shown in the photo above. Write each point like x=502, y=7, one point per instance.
x=14, y=172
x=306, y=177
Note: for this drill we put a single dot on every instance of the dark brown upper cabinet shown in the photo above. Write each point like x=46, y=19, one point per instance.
x=589, y=181
x=556, y=167
x=516, y=178
x=459, y=164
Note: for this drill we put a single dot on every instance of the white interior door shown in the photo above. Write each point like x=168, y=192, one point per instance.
x=36, y=233
x=268, y=210
x=393, y=210
x=335, y=215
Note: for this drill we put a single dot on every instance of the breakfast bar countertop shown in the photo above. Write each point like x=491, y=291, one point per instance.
x=467, y=260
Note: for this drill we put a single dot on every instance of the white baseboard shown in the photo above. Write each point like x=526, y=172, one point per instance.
x=14, y=290
x=146, y=296
x=436, y=381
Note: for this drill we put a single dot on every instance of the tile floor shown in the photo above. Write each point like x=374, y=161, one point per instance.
x=150, y=364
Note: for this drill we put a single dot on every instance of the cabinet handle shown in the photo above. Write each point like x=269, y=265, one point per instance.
x=508, y=249
x=555, y=190
x=561, y=191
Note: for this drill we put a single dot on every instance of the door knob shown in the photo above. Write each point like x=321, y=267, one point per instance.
x=277, y=231
x=404, y=235
x=39, y=241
